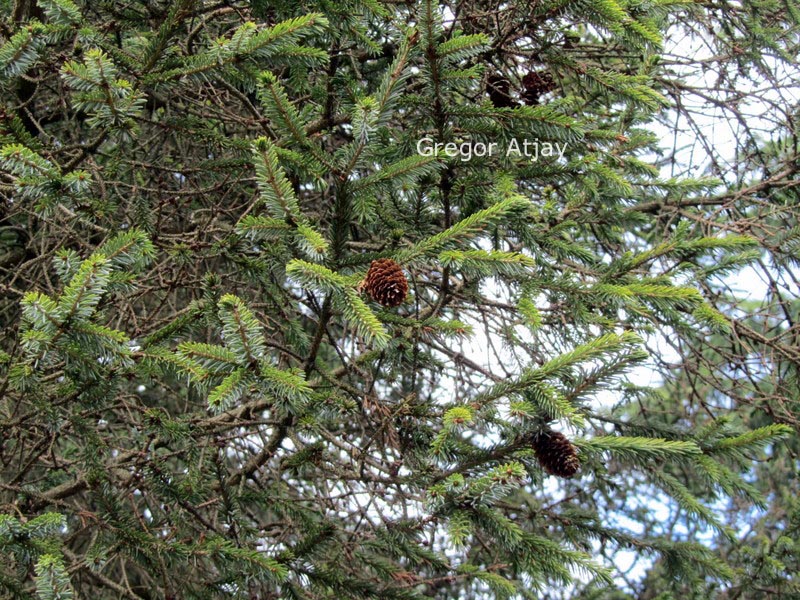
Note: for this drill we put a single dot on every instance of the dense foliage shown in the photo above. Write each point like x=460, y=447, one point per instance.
x=573, y=374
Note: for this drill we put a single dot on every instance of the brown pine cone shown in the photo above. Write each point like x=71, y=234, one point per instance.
x=499, y=90
x=385, y=282
x=536, y=84
x=556, y=454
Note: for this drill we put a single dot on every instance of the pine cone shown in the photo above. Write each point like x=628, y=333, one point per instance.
x=536, y=84
x=385, y=282
x=556, y=454
x=499, y=90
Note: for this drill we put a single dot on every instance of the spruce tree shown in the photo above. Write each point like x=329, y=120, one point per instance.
x=277, y=323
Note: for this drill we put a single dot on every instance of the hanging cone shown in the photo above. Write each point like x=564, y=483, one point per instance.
x=385, y=282
x=499, y=91
x=556, y=454
x=536, y=84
